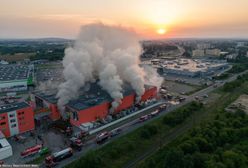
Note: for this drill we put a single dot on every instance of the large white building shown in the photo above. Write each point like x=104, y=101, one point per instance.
x=15, y=77
x=213, y=52
x=193, y=68
x=198, y=53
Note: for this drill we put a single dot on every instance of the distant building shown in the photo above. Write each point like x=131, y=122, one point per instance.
x=16, y=118
x=231, y=56
x=193, y=68
x=3, y=62
x=202, y=46
x=198, y=53
x=213, y=52
x=240, y=44
x=15, y=77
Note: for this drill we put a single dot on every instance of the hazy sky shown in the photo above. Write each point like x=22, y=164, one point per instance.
x=180, y=18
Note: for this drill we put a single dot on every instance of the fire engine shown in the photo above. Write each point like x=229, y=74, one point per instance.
x=102, y=137
x=53, y=159
x=31, y=151
x=76, y=143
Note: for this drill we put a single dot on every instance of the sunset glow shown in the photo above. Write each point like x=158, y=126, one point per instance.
x=63, y=18
x=161, y=31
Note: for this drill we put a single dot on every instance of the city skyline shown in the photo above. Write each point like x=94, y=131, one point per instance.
x=152, y=20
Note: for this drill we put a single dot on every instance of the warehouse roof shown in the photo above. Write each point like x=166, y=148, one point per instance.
x=14, y=72
x=96, y=95
x=90, y=96
x=49, y=97
x=13, y=106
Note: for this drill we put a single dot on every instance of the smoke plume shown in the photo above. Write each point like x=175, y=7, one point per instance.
x=152, y=77
x=108, y=53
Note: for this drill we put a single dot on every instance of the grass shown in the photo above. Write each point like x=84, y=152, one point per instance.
x=197, y=88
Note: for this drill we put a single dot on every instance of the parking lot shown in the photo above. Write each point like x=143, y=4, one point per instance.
x=51, y=71
x=188, y=80
x=175, y=88
x=52, y=139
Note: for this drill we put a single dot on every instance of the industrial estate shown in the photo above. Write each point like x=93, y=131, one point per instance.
x=53, y=111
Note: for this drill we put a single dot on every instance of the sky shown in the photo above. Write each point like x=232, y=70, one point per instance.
x=177, y=18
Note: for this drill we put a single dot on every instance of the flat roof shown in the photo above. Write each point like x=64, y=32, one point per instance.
x=4, y=143
x=13, y=106
x=93, y=95
x=49, y=97
x=191, y=65
x=14, y=72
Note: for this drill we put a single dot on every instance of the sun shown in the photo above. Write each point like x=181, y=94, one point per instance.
x=161, y=31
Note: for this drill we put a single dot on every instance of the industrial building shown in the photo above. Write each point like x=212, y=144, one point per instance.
x=45, y=104
x=208, y=52
x=213, y=52
x=198, y=53
x=16, y=118
x=15, y=77
x=193, y=68
x=93, y=104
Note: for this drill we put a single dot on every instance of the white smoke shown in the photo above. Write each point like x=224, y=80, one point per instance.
x=48, y=86
x=152, y=77
x=111, y=82
x=108, y=53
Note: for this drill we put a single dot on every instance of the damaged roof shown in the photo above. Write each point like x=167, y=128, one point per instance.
x=91, y=95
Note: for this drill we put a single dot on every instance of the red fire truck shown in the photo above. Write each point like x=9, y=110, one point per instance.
x=76, y=143
x=53, y=159
x=31, y=151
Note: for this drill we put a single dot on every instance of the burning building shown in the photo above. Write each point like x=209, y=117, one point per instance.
x=106, y=60
x=91, y=105
x=96, y=104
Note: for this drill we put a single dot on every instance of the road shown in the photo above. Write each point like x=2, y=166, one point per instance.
x=134, y=124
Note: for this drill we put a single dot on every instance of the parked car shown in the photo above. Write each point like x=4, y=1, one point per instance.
x=154, y=113
x=144, y=118
x=115, y=132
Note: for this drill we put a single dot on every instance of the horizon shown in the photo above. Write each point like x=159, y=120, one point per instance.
x=173, y=19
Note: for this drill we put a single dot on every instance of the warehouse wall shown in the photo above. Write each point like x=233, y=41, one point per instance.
x=4, y=124
x=55, y=114
x=149, y=93
x=92, y=113
x=13, y=86
x=46, y=106
x=25, y=119
x=127, y=102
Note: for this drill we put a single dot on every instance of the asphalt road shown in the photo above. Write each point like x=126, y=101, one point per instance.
x=134, y=124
